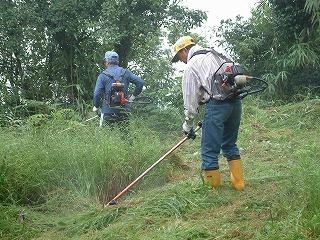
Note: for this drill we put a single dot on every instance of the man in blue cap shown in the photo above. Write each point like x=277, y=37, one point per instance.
x=113, y=84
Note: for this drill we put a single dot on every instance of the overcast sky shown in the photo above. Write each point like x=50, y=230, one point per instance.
x=218, y=10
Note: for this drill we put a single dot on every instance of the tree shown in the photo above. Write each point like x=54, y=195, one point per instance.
x=130, y=25
x=277, y=42
x=52, y=49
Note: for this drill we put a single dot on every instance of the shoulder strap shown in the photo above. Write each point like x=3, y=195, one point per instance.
x=205, y=51
x=202, y=51
x=221, y=55
x=123, y=72
x=107, y=74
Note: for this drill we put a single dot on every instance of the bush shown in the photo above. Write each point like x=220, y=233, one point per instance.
x=84, y=159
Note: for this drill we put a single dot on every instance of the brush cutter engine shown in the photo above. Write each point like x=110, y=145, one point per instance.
x=229, y=81
x=117, y=94
x=232, y=83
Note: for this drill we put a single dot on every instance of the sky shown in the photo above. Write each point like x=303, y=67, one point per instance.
x=217, y=10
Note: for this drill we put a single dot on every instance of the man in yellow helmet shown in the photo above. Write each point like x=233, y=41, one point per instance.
x=222, y=113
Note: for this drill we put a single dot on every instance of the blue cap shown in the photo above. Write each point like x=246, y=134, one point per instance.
x=111, y=56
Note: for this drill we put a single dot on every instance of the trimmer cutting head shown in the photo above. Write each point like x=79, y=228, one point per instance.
x=113, y=202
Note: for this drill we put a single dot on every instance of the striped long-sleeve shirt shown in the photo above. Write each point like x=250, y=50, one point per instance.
x=197, y=79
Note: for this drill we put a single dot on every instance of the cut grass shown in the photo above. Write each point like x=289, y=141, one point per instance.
x=281, y=199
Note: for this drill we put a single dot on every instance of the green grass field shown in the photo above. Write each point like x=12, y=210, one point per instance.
x=52, y=185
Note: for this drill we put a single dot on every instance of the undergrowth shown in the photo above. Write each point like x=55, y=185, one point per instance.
x=41, y=158
x=58, y=180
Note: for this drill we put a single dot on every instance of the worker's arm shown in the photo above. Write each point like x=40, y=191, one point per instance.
x=137, y=81
x=190, y=89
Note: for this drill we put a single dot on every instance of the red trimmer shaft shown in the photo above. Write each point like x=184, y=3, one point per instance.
x=125, y=190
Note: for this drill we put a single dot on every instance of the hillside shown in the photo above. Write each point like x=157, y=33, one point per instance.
x=281, y=154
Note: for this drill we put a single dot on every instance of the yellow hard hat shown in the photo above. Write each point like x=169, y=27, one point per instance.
x=181, y=43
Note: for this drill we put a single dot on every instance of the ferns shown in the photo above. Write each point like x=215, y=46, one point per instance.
x=313, y=7
x=300, y=55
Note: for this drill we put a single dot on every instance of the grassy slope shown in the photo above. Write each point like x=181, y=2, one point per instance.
x=280, y=149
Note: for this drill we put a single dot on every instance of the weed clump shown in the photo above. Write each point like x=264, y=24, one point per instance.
x=90, y=161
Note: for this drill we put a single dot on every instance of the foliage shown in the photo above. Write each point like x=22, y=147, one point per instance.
x=313, y=7
x=57, y=169
x=87, y=161
x=52, y=50
x=278, y=43
x=59, y=176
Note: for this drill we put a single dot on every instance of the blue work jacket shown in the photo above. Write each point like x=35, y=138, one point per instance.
x=103, y=87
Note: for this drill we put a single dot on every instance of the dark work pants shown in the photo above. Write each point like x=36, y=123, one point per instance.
x=220, y=132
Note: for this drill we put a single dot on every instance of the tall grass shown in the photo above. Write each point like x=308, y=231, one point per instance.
x=294, y=129
x=308, y=184
x=280, y=148
x=90, y=161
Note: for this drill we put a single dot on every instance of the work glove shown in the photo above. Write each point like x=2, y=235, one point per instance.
x=96, y=110
x=131, y=99
x=187, y=127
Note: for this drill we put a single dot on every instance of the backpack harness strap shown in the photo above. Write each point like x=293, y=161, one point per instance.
x=116, y=95
x=123, y=72
x=214, y=52
x=205, y=51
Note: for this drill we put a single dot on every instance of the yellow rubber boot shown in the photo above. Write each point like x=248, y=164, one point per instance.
x=236, y=174
x=212, y=178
